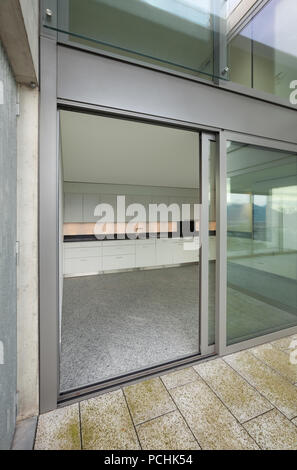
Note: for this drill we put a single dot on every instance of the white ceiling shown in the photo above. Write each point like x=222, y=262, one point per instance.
x=97, y=149
x=256, y=169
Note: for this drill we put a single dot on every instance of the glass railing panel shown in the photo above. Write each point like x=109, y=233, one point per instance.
x=175, y=34
x=263, y=53
x=240, y=59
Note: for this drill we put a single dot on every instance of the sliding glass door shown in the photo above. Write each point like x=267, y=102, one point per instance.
x=261, y=241
x=131, y=222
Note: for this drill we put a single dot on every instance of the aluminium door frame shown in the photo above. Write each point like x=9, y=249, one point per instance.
x=48, y=199
x=204, y=349
x=49, y=242
x=226, y=136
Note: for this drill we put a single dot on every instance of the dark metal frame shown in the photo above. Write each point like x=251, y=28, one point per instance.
x=90, y=82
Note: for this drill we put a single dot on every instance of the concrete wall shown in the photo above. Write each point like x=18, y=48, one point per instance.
x=19, y=32
x=30, y=11
x=27, y=234
x=8, y=171
x=19, y=26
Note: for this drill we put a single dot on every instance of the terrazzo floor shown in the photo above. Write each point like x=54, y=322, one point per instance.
x=117, y=323
x=244, y=401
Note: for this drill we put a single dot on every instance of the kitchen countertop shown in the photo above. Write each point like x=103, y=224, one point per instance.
x=142, y=236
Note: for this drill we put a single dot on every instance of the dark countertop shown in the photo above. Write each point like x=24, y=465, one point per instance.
x=143, y=236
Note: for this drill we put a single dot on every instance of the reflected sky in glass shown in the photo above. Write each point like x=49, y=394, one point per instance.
x=275, y=26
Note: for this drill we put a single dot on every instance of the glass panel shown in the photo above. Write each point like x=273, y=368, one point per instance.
x=240, y=59
x=130, y=277
x=231, y=5
x=177, y=34
x=262, y=241
x=263, y=55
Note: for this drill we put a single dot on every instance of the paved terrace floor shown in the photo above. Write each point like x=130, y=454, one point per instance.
x=247, y=400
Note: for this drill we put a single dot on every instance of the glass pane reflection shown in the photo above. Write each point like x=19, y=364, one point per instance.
x=262, y=241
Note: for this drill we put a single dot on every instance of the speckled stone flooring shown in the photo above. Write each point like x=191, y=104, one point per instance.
x=117, y=323
x=247, y=400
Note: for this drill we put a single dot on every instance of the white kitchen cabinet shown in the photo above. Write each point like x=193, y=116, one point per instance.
x=186, y=212
x=185, y=251
x=82, y=258
x=164, y=251
x=176, y=251
x=174, y=216
x=118, y=247
x=145, y=253
x=118, y=254
x=85, y=258
x=90, y=202
x=83, y=266
x=73, y=207
x=82, y=249
x=84, y=244
x=159, y=216
x=212, y=248
x=115, y=262
x=138, y=199
x=189, y=210
x=110, y=199
x=87, y=252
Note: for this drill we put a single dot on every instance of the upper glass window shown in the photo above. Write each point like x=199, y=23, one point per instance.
x=232, y=4
x=176, y=34
x=263, y=55
x=250, y=42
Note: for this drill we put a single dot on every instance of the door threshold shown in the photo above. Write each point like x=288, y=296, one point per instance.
x=106, y=386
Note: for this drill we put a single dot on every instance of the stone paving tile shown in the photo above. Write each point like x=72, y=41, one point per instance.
x=179, y=377
x=277, y=360
x=106, y=423
x=59, y=430
x=148, y=400
x=243, y=401
x=281, y=393
x=284, y=344
x=212, y=424
x=168, y=432
x=272, y=431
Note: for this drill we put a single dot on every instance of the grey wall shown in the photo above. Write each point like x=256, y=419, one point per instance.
x=87, y=78
x=8, y=180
